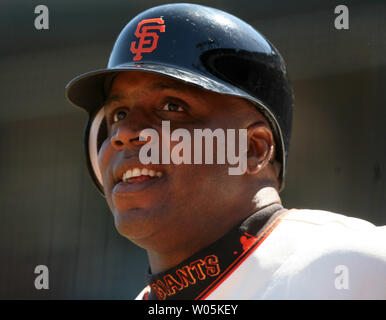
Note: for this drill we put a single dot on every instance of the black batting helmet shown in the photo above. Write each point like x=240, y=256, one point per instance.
x=199, y=45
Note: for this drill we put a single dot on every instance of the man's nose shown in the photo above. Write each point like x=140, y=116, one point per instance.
x=127, y=132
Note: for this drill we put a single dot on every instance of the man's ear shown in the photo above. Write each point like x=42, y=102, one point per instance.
x=261, y=147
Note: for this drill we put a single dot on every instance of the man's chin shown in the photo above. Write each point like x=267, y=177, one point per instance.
x=135, y=223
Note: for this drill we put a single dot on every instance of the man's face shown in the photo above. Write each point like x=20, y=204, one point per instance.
x=186, y=197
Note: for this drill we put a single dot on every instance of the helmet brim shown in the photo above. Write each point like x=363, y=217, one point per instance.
x=88, y=90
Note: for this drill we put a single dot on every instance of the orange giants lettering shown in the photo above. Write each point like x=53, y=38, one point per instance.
x=186, y=276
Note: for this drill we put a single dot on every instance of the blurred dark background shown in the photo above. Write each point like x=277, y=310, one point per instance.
x=50, y=212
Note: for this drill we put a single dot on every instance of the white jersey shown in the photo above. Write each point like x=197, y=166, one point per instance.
x=298, y=254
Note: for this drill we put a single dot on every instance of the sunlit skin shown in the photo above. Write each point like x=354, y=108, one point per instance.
x=190, y=206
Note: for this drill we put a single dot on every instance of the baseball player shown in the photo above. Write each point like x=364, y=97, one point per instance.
x=210, y=234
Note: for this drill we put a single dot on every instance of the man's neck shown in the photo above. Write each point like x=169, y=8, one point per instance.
x=161, y=261
x=198, y=275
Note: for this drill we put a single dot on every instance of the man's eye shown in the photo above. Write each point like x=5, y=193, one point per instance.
x=169, y=106
x=119, y=115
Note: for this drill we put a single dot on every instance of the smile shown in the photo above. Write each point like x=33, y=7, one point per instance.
x=136, y=179
x=130, y=174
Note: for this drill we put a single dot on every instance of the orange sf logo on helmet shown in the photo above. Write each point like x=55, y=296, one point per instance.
x=146, y=38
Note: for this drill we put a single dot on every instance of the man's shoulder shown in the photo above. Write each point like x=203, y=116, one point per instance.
x=326, y=219
x=324, y=232
x=323, y=246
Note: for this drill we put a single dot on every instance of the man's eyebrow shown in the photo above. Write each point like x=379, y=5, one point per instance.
x=155, y=86
x=173, y=86
x=113, y=98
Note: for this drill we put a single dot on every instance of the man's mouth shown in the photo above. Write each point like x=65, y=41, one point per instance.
x=136, y=179
x=136, y=175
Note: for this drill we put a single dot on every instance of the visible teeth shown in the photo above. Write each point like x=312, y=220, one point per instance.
x=136, y=172
x=127, y=175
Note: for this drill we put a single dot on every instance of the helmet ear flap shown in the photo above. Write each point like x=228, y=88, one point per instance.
x=260, y=75
x=95, y=135
x=102, y=133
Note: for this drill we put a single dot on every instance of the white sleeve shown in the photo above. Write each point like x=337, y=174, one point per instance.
x=348, y=264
